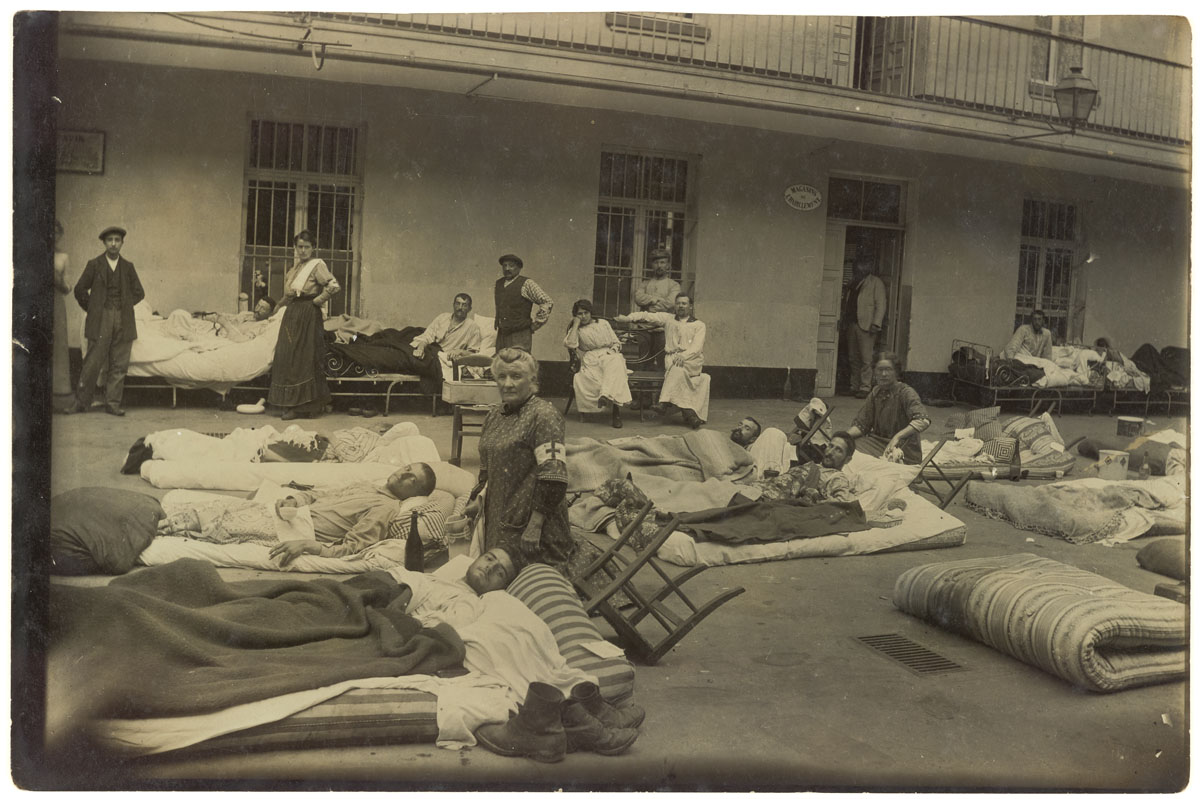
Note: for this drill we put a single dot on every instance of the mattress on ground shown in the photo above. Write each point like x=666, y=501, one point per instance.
x=1076, y=625
x=924, y=526
x=362, y=713
x=231, y=476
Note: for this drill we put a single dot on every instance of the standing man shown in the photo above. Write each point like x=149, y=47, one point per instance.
x=1032, y=339
x=107, y=291
x=516, y=298
x=685, y=385
x=862, y=318
x=658, y=294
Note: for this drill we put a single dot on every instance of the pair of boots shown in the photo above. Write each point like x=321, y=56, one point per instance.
x=548, y=726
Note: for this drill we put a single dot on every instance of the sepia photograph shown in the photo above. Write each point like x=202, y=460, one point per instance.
x=591, y=400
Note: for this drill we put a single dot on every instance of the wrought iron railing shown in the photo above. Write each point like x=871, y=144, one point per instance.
x=950, y=61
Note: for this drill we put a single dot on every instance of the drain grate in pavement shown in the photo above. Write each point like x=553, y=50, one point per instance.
x=909, y=654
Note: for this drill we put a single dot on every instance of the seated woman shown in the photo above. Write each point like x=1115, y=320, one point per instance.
x=522, y=461
x=297, y=382
x=601, y=378
x=890, y=422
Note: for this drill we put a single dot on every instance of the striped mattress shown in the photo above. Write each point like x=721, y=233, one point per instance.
x=1079, y=626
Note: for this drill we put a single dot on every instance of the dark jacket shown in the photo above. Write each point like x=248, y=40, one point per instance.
x=93, y=285
x=512, y=310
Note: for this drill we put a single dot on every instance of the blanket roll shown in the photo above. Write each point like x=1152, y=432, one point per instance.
x=1076, y=625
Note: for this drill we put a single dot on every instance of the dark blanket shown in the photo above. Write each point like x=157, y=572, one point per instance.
x=1170, y=368
x=389, y=350
x=766, y=522
x=178, y=640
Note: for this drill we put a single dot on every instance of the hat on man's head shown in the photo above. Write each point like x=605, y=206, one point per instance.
x=120, y=231
x=510, y=257
x=659, y=253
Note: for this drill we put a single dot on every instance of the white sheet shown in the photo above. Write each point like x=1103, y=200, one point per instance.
x=1056, y=376
x=922, y=519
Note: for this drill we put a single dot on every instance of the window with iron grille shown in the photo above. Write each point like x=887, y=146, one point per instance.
x=1046, y=272
x=643, y=206
x=301, y=177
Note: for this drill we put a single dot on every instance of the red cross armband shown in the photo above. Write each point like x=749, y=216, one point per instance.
x=550, y=451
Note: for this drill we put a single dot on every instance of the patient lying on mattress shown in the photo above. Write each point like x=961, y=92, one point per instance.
x=345, y=520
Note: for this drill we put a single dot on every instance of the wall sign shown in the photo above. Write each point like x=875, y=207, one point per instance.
x=81, y=151
x=802, y=197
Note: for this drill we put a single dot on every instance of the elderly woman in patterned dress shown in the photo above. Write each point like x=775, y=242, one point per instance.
x=890, y=422
x=522, y=461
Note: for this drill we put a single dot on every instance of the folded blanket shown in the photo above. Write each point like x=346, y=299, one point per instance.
x=1084, y=511
x=764, y=522
x=1076, y=625
x=177, y=639
x=696, y=456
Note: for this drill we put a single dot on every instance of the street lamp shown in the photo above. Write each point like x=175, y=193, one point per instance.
x=1075, y=95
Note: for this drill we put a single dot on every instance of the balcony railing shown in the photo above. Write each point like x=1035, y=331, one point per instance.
x=951, y=61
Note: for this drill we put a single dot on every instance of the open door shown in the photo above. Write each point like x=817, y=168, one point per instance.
x=832, y=277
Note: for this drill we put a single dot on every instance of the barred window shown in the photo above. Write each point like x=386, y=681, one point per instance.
x=1046, y=263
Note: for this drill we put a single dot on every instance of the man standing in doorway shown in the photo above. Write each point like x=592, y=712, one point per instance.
x=107, y=291
x=866, y=304
x=516, y=298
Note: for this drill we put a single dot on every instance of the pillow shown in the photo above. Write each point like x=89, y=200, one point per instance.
x=1001, y=449
x=100, y=530
x=487, y=328
x=1039, y=435
x=1166, y=556
x=989, y=431
x=977, y=418
x=548, y=594
x=453, y=480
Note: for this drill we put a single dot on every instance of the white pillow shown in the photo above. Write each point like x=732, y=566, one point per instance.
x=487, y=327
x=875, y=481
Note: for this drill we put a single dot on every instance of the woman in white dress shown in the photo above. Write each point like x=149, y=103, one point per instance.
x=602, y=376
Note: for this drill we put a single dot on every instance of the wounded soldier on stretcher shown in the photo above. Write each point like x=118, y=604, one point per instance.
x=345, y=519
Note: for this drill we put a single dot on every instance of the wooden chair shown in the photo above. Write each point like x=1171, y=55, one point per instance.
x=466, y=404
x=658, y=600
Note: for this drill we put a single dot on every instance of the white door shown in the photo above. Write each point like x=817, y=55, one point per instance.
x=830, y=308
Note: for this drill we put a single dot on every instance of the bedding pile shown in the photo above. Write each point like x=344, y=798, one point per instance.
x=989, y=443
x=1088, y=510
x=695, y=456
x=1084, y=628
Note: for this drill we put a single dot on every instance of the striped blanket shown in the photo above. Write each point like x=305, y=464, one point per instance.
x=695, y=456
x=1076, y=625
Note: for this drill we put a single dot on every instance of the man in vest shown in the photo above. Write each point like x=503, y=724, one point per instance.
x=516, y=298
x=107, y=291
x=866, y=304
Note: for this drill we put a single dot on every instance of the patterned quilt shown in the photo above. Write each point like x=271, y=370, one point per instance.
x=1079, y=626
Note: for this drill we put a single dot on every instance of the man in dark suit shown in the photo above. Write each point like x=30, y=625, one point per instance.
x=107, y=291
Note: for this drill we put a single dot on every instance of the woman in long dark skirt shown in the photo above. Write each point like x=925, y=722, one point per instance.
x=297, y=382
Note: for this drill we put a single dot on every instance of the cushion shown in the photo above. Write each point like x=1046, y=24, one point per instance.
x=1039, y=435
x=487, y=328
x=1001, y=449
x=100, y=530
x=548, y=594
x=453, y=480
x=988, y=431
x=1166, y=556
x=977, y=418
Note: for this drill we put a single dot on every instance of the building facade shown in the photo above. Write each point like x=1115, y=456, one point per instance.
x=766, y=153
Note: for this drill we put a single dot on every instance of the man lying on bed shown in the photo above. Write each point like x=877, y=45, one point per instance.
x=346, y=519
x=246, y=325
x=813, y=482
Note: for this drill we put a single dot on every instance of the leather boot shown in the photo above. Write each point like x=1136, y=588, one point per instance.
x=585, y=732
x=587, y=694
x=536, y=731
x=691, y=419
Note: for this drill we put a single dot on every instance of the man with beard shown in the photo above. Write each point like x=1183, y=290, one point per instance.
x=454, y=331
x=769, y=447
x=1032, y=339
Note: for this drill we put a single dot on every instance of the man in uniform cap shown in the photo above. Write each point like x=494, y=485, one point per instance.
x=107, y=291
x=657, y=295
x=516, y=298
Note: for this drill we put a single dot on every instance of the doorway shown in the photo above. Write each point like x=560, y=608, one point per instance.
x=882, y=248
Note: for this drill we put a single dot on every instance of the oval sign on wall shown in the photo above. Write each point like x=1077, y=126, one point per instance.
x=802, y=197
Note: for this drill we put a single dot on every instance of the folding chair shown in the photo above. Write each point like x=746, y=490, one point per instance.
x=625, y=605
x=924, y=480
x=802, y=438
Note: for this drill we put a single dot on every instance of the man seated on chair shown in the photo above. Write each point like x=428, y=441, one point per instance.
x=813, y=482
x=348, y=519
x=685, y=386
x=246, y=325
x=454, y=331
x=769, y=447
x=1032, y=339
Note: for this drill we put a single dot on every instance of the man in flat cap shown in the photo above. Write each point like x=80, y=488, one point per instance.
x=657, y=295
x=516, y=299
x=107, y=291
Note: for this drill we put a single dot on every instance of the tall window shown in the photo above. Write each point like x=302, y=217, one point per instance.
x=643, y=206
x=1047, y=265
x=1051, y=58
x=301, y=177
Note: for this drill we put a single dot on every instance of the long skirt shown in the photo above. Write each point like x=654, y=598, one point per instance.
x=64, y=392
x=297, y=379
x=601, y=374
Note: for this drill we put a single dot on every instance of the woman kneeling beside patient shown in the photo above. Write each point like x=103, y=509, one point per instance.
x=890, y=422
